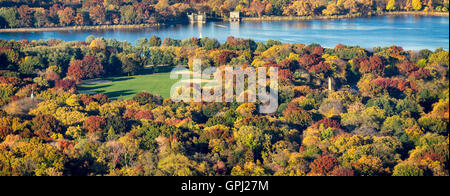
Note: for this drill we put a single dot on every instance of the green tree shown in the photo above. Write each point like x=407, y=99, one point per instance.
x=114, y=66
x=154, y=41
x=40, y=17
x=176, y=165
x=249, y=136
x=29, y=65
x=129, y=65
x=439, y=58
x=10, y=15
x=128, y=15
x=408, y=170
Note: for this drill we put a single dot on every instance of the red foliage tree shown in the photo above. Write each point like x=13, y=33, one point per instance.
x=101, y=98
x=87, y=68
x=66, y=85
x=375, y=65
x=75, y=71
x=25, y=15
x=94, y=124
x=308, y=60
x=406, y=67
x=92, y=66
x=144, y=114
x=394, y=86
x=10, y=80
x=339, y=47
x=285, y=76
x=322, y=67
x=318, y=51
x=86, y=100
x=396, y=52
x=66, y=16
x=130, y=113
x=51, y=76
x=342, y=171
x=323, y=165
x=45, y=125
x=420, y=74
x=432, y=155
x=327, y=123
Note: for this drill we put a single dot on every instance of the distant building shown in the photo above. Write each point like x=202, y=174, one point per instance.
x=235, y=17
x=197, y=18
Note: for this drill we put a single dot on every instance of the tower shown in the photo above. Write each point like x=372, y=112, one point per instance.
x=32, y=93
x=330, y=88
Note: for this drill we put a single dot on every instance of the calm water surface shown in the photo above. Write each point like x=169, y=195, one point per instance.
x=410, y=32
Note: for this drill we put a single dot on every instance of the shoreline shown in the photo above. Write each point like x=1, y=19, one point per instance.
x=421, y=13
x=80, y=28
x=263, y=18
x=294, y=18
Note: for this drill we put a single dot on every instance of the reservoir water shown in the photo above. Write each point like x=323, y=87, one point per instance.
x=410, y=32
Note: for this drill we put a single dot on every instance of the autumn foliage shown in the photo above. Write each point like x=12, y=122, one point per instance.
x=87, y=68
x=94, y=124
x=386, y=114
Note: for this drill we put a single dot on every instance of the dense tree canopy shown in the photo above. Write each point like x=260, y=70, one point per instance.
x=387, y=112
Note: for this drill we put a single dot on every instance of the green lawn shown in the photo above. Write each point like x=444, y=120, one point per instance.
x=127, y=87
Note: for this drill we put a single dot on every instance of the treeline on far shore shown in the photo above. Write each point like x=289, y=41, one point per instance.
x=82, y=28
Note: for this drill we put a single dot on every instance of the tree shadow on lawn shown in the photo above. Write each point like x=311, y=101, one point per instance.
x=156, y=70
x=93, y=88
x=125, y=78
x=118, y=94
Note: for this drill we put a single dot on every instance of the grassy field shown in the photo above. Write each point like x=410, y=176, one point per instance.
x=127, y=87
